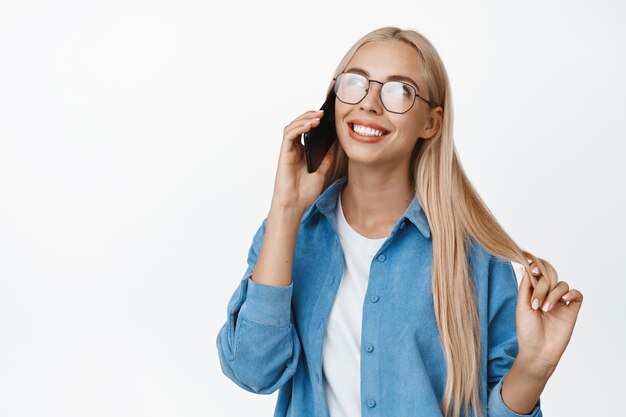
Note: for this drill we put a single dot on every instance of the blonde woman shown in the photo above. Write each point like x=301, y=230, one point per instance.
x=380, y=284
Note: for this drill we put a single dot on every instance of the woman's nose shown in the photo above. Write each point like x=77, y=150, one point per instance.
x=372, y=100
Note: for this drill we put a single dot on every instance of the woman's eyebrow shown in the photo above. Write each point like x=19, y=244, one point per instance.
x=390, y=78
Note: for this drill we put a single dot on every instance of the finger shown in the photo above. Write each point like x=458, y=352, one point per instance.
x=573, y=295
x=525, y=289
x=542, y=268
x=555, y=295
x=305, y=116
x=539, y=293
x=534, y=269
x=534, y=272
x=294, y=132
x=301, y=124
x=573, y=299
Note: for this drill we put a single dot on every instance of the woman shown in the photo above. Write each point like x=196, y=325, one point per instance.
x=381, y=285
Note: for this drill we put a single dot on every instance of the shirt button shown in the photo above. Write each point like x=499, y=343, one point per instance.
x=381, y=258
x=369, y=347
x=317, y=376
x=371, y=403
x=332, y=281
x=319, y=324
x=402, y=225
x=374, y=298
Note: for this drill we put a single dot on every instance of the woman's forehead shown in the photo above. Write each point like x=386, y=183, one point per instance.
x=382, y=59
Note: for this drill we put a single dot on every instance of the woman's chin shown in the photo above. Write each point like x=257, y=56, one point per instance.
x=362, y=157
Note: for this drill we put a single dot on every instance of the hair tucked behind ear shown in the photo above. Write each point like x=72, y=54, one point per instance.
x=455, y=213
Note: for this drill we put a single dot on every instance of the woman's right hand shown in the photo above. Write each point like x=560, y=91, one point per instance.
x=294, y=188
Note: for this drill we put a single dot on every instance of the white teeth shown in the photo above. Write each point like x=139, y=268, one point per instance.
x=366, y=131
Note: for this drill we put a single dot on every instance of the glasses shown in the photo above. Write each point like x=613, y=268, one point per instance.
x=396, y=96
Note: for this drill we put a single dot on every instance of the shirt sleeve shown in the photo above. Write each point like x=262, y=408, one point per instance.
x=503, y=292
x=258, y=345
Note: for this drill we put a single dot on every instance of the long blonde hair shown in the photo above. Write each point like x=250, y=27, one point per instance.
x=455, y=213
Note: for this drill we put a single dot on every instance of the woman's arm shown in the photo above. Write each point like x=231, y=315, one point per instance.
x=502, y=336
x=258, y=345
x=276, y=259
x=543, y=334
x=523, y=385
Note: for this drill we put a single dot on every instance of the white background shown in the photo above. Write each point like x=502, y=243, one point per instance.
x=138, y=146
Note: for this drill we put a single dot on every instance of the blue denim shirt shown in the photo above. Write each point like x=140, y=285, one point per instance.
x=273, y=336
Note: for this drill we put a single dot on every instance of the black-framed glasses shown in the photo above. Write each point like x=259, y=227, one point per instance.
x=396, y=96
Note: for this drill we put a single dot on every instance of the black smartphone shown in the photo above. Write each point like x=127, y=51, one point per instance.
x=318, y=140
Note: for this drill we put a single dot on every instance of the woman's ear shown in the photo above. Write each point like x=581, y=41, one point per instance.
x=434, y=122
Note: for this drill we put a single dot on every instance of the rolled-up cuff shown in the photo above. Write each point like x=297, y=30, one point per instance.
x=267, y=304
x=497, y=408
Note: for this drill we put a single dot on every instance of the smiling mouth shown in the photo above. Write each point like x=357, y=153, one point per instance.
x=367, y=131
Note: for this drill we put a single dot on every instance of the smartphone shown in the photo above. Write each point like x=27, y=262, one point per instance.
x=318, y=140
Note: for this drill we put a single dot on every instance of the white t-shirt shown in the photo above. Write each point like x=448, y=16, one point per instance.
x=341, y=355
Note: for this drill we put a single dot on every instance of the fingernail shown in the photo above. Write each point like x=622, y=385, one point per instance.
x=535, y=304
x=316, y=118
x=565, y=297
x=546, y=306
x=535, y=270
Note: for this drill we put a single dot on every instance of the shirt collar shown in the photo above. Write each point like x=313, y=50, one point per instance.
x=326, y=204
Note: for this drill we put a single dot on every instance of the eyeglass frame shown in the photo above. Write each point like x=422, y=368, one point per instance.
x=369, y=82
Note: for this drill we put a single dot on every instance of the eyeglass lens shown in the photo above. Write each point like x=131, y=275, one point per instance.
x=396, y=96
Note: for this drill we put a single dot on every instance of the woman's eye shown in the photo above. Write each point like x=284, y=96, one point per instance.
x=400, y=89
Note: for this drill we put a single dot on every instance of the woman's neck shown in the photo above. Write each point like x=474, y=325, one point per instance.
x=372, y=204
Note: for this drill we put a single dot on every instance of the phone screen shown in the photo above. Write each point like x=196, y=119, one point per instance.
x=318, y=140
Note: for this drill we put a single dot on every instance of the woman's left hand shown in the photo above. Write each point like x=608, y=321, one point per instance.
x=545, y=320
